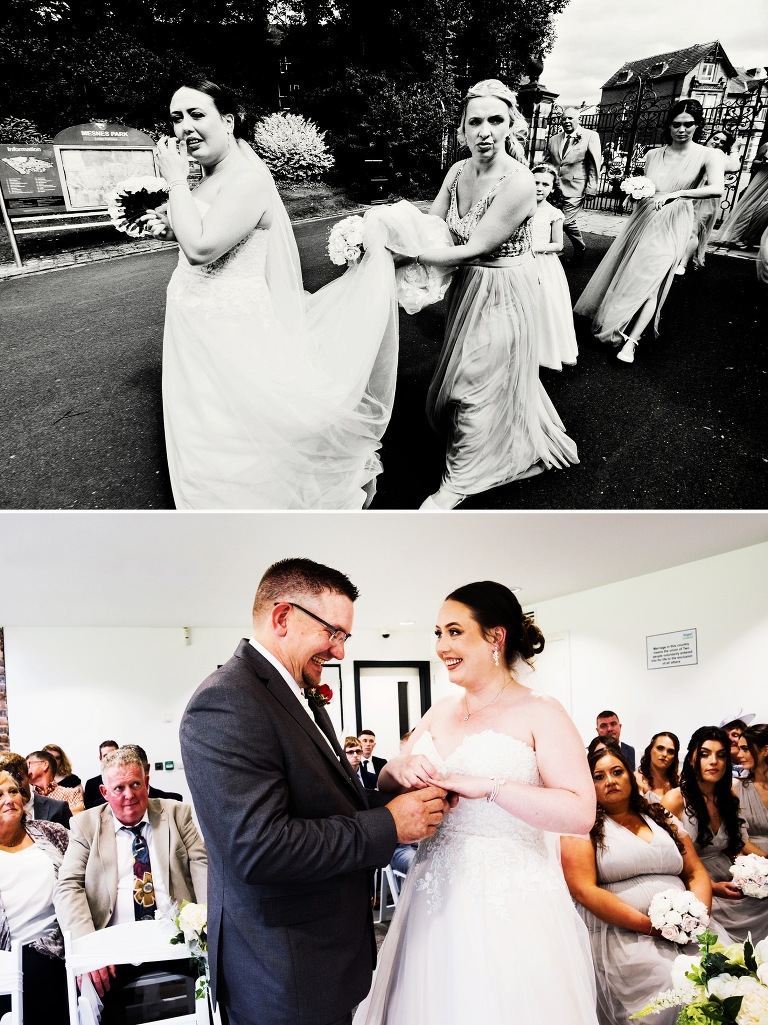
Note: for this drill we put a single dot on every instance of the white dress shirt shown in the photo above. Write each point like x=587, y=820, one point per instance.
x=295, y=687
x=124, y=903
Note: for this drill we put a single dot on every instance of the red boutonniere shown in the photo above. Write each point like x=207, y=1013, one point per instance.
x=321, y=695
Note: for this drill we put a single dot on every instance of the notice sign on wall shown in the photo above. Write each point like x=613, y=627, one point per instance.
x=667, y=650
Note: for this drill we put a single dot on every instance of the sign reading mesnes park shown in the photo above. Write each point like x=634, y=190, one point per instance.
x=77, y=170
x=674, y=649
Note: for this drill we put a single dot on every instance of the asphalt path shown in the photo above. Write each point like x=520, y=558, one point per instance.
x=684, y=427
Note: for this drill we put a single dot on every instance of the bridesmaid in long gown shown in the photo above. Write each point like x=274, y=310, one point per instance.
x=485, y=393
x=711, y=814
x=749, y=218
x=752, y=790
x=633, y=852
x=484, y=929
x=630, y=285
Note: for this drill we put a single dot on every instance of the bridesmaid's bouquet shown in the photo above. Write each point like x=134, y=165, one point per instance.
x=750, y=874
x=131, y=199
x=679, y=915
x=638, y=187
x=345, y=242
x=722, y=986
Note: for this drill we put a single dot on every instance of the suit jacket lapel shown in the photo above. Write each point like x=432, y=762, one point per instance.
x=161, y=840
x=107, y=852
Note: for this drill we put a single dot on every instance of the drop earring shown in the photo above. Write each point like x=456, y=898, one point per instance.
x=496, y=654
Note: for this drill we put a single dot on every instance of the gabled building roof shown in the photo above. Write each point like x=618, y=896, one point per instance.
x=674, y=64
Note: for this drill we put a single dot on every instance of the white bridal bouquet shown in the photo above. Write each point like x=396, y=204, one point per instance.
x=750, y=874
x=132, y=198
x=679, y=915
x=722, y=986
x=638, y=187
x=191, y=920
x=345, y=242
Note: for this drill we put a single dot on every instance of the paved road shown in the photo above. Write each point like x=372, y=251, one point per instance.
x=684, y=427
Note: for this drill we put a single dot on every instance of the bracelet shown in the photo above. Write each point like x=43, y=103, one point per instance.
x=496, y=785
x=175, y=182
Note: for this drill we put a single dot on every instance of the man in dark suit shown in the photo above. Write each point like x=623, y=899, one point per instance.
x=575, y=154
x=608, y=725
x=292, y=836
x=370, y=762
x=92, y=789
x=354, y=753
x=35, y=805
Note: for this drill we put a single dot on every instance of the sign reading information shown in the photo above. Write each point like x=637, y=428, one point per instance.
x=29, y=172
x=667, y=650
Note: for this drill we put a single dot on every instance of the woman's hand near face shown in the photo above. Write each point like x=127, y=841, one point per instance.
x=172, y=157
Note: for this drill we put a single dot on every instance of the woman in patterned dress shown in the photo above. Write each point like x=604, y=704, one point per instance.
x=486, y=393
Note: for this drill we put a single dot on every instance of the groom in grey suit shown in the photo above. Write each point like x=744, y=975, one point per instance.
x=292, y=835
x=575, y=154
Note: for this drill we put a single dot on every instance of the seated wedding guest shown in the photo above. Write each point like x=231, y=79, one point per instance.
x=63, y=775
x=130, y=837
x=752, y=790
x=35, y=806
x=634, y=851
x=710, y=813
x=734, y=728
x=31, y=853
x=608, y=725
x=167, y=795
x=370, y=762
x=658, y=772
x=41, y=766
x=354, y=753
x=92, y=789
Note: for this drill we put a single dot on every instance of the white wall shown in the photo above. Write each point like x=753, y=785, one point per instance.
x=76, y=687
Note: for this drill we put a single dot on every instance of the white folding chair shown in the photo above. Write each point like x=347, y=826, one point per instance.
x=390, y=881
x=133, y=943
x=12, y=982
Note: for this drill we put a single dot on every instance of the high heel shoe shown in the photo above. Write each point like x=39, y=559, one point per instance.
x=627, y=352
x=442, y=501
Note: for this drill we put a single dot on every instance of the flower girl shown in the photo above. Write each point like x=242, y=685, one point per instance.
x=557, y=337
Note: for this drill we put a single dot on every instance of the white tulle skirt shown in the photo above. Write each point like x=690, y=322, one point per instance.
x=486, y=394
x=557, y=335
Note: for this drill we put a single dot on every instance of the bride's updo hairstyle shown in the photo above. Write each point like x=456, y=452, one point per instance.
x=518, y=126
x=225, y=101
x=692, y=107
x=490, y=605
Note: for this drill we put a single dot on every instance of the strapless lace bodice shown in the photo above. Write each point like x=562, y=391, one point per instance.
x=477, y=835
x=518, y=243
x=234, y=282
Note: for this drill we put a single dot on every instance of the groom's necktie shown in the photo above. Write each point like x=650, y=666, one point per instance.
x=143, y=887
x=323, y=721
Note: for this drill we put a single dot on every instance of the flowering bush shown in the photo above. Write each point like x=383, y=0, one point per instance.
x=750, y=874
x=722, y=986
x=18, y=129
x=292, y=147
x=678, y=914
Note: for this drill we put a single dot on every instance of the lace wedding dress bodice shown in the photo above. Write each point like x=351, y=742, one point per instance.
x=477, y=837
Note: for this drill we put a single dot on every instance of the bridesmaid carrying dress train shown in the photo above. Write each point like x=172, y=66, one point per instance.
x=629, y=287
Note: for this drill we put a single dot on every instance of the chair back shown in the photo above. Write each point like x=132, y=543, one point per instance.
x=12, y=982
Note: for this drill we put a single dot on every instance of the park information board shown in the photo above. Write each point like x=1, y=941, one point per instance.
x=664, y=651
x=29, y=175
x=93, y=158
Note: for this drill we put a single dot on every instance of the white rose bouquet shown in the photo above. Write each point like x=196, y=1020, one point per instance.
x=679, y=915
x=345, y=242
x=131, y=199
x=722, y=986
x=638, y=187
x=750, y=874
x=192, y=922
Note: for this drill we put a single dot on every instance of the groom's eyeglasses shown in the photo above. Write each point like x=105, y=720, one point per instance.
x=336, y=633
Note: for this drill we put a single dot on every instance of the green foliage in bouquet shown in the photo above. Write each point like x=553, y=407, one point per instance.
x=292, y=147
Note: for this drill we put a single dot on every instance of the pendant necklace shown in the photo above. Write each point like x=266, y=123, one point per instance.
x=487, y=705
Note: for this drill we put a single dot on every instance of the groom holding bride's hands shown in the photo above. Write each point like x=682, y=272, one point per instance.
x=292, y=836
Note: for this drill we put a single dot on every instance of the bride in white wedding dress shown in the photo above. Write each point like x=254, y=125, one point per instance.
x=272, y=398
x=485, y=930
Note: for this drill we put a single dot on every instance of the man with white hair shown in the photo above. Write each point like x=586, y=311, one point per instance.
x=575, y=152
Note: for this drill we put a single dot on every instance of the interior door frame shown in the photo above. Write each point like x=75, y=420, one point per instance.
x=425, y=682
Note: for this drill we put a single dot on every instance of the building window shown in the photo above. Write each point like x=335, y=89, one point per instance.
x=623, y=77
x=707, y=72
x=658, y=69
